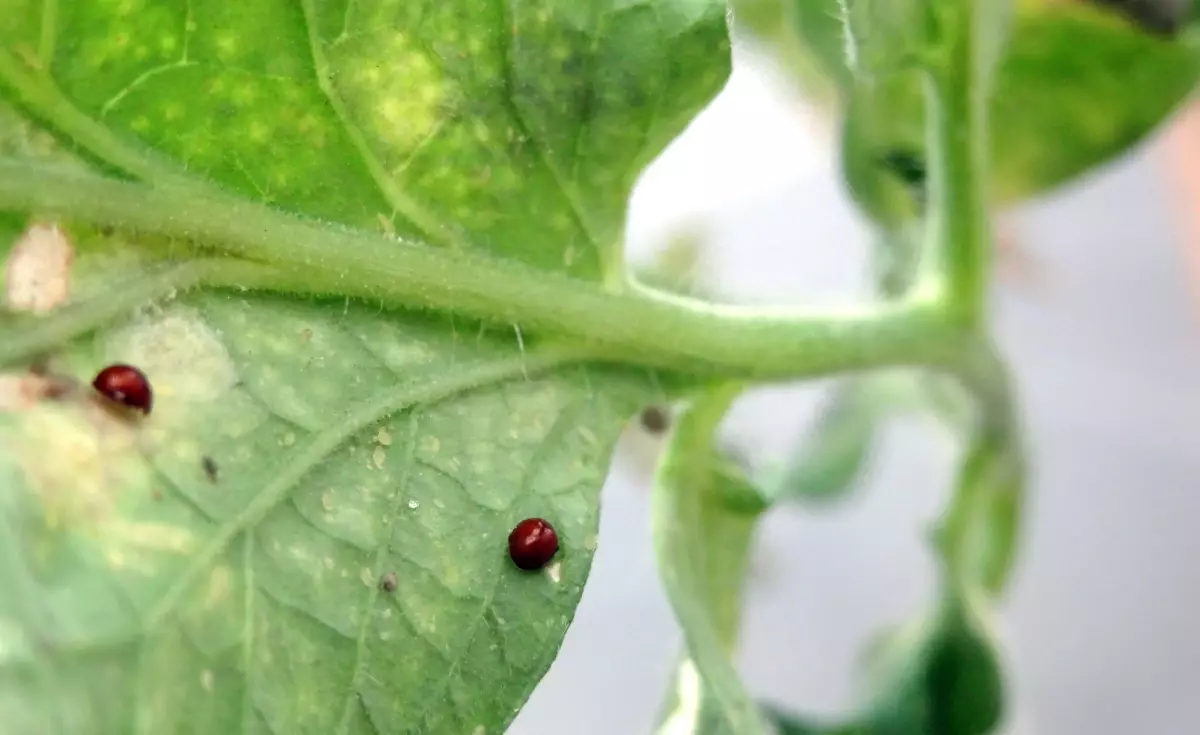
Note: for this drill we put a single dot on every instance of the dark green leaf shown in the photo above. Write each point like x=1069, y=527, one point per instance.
x=946, y=681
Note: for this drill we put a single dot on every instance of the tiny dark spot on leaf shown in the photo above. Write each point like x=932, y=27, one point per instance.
x=906, y=165
x=156, y=495
x=211, y=471
x=388, y=582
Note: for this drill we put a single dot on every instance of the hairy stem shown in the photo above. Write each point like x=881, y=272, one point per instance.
x=643, y=328
x=25, y=337
x=956, y=92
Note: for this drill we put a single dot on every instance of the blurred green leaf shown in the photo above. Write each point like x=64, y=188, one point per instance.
x=979, y=534
x=787, y=723
x=832, y=455
x=945, y=680
x=701, y=545
x=1077, y=86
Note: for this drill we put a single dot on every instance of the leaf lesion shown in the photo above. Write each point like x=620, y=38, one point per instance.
x=402, y=202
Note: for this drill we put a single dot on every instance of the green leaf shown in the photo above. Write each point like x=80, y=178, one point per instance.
x=701, y=545
x=517, y=127
x=1077, y=85
x=787, y=723
x=350, y=444
x=831, y=459
x=944, y=682
x=979, y=535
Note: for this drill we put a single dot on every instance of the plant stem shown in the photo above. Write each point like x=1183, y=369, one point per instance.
x=25, y=336
x=956, y=93
x=701, y=549
x=644, y=327
x=981, y=525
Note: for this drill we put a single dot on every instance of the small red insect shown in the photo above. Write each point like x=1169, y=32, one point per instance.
x=532, y=544
x=126, y=385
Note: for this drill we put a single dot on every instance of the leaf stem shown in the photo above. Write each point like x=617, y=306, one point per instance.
x=981, y=525
x=702, y=574
x=956, y=92
x=24, y=337
x=641, y=326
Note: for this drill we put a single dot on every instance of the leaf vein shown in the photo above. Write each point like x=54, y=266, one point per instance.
x=377, y=567
x=248, y=640
x=320, y=445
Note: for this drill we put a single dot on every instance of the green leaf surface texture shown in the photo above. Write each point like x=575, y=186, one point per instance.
x=307, y=534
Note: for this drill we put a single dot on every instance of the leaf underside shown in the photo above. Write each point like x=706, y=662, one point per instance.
x=148, y=594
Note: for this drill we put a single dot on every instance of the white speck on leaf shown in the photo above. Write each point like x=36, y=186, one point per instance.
x=554, y=572
x=384, y=437
x=206, y=680
x=37, y=273
x=288, y=439
x=367, y=578
x=414, y=504
x=479, y=730
x=327, y=501
x=378, y=457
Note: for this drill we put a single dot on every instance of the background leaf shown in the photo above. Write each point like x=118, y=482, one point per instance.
x=946, y=680
x=830, y=459
x=1077, y=86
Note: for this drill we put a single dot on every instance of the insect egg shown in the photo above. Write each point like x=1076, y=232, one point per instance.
x=532, y=544
x=126, y=385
